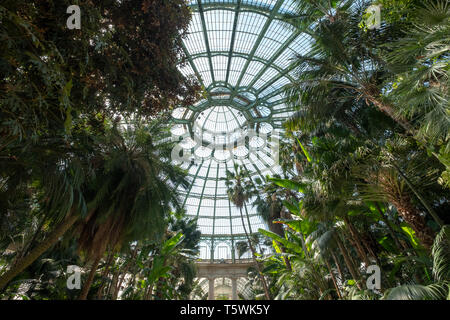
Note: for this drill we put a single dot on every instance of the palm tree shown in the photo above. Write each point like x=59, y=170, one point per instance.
x=419, y=62
x=58, y=176
x=133, y=192
x=402, y=176
x=384, y=184
x=240, y=190
x=420, y=82
x=341, y=68
x=130, y=193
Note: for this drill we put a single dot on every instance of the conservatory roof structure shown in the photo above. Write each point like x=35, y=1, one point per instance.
x=240, y=51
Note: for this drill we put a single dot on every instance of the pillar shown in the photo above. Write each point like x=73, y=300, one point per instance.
x=234, y=295
x=211, y=289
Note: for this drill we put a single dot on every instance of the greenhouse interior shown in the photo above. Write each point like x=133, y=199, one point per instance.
x=224, y=150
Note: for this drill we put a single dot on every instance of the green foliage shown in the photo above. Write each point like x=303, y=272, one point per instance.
x=438, y=290
x=369, y=138
x=290, y=184
x=441, y=255
x=67, y=145
x=420, y=64
x=51, y=75
x=365, y=158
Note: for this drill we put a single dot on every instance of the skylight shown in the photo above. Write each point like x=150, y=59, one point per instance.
x=240, y=51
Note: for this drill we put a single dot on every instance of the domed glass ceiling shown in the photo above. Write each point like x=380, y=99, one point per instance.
x=240, y=51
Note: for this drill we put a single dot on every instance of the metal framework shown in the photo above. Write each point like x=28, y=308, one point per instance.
x=240, y=50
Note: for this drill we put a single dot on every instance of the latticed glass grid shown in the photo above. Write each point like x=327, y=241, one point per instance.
x=240, y=50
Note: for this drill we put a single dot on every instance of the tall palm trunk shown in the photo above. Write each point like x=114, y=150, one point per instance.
x=357, y=241
x=387, y=109
x=420, y=197
x=372, y=94
x=338, y=265
x=252, y=249
x=330, y=270
x=105, y=274
x=113, y=284
x=412, y=216
x=149, y=293
x=348, y=261
x=30, y=243
x=388, y=182
x=90, y=279
x=52, y=238
x=124, y=274
x=369, y=243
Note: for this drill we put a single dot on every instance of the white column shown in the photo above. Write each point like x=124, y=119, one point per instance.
x=211, y=289
x=234, y=295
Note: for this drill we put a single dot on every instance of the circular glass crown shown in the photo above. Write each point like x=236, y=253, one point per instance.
x=240, y=51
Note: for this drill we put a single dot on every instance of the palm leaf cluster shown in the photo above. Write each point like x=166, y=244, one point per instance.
x=370, y=134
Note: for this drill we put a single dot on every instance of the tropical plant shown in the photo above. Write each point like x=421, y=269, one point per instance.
x=129, y=195
x=440, y=287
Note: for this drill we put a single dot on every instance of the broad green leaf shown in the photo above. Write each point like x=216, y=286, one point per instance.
x=411, y=235
x=272, y=268
x=288, y=244
x=304, y=150
x=289, y=184
x=170, y=244
x=293, y=224
x=276, y=247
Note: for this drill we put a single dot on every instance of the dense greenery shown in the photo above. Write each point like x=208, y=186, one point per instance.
x=86, y=176
x=370, y=140
x=85, y=172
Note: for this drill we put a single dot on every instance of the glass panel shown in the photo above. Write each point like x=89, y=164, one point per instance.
x=244, y=90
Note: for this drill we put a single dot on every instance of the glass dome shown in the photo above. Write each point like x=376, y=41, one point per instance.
x=240, y=51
